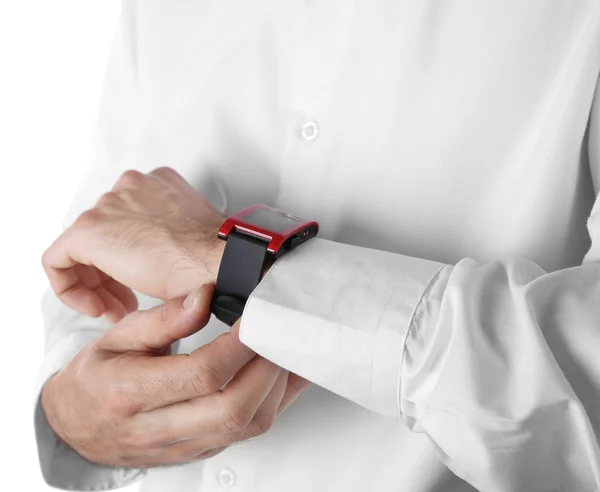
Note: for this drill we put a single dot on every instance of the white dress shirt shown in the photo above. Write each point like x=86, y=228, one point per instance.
x=449, y=312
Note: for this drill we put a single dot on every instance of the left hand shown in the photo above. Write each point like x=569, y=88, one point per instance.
x=152, y=233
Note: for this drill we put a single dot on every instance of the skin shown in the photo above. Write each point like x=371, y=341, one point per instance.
x=125, y=400
x=152, y=233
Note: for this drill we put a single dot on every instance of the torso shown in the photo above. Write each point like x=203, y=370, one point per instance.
x=445, y=131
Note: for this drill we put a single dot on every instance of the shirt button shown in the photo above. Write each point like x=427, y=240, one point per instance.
x=310, y=131
x=226, y=478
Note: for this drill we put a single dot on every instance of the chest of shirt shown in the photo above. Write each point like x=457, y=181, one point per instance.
x=399, y=125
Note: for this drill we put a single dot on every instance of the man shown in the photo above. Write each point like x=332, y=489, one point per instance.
x=448, y=312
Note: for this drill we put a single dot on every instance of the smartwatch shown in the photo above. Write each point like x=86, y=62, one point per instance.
x=255, y=236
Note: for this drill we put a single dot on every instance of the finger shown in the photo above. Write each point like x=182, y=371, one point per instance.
x=171, y=178
x=141, y=385
x=108, y=199
x=130, y=180
x=94, y=293
x=114, y=310
x=156, y=328
x=203, y=372
x=72, y=282
x=200, y=448
x=265, y=415
x=261, y=421
x=237, y=404
x=73, y=293
x=159, y=379
x=227, y=411
x=157, y=457
x=123, y=293
x=295, y=386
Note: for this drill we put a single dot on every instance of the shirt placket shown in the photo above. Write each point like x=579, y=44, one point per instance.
x=305, y=51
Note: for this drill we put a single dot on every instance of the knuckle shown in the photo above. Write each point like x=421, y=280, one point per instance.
x=131, y=178
x=46, y=259
x=213, y=378
x=298, y=385
x=119, y=402
x=200, y=386
x=227, y=346
x=201, y=378
x=127, y=195
x=203, y=383
x=259, y=425
x=165, y=172
x=108, y=198
x=185, y=452
x=237, y=417
x=203, y=455
x=89, y=218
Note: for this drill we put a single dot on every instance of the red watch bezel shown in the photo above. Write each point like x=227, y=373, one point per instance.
x=275, y=239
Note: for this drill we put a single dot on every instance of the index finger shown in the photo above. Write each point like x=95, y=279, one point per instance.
x=160, y=381
x=72, y=278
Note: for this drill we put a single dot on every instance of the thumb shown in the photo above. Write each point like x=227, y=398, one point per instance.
x=154, y=329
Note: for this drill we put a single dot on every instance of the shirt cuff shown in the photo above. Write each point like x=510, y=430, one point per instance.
x=62, y=467
x=338, y=315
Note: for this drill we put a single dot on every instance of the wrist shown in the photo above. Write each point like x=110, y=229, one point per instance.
x=213, y=253
x=209, y=253
x=197, y=258
x=255, y=236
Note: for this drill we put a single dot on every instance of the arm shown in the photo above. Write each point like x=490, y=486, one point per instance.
x=496, y=363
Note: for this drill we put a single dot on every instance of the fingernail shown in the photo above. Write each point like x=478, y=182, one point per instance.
x=190, y=300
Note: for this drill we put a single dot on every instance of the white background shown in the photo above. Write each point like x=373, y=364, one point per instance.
x=52, y=59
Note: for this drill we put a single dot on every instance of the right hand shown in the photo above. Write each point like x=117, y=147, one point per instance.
x=124, y=400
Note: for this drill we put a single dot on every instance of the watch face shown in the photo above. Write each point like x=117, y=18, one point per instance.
x=271, y=219
x=282, y=230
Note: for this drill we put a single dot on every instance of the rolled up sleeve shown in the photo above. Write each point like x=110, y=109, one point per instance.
x=338, y=315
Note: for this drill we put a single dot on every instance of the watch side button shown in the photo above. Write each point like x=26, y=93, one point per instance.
x=302, y=237
x=296, y=241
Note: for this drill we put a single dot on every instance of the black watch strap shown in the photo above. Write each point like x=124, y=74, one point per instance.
x=239, y=273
